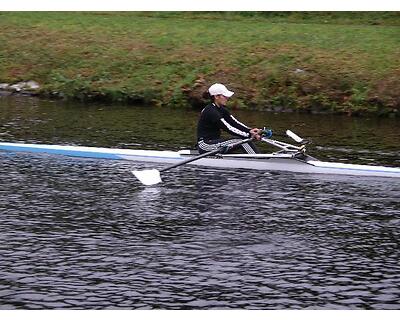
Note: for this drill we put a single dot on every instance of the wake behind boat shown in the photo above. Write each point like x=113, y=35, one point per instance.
x=288, y=158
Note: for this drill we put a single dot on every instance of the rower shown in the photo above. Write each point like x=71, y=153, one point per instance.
x=215, y=116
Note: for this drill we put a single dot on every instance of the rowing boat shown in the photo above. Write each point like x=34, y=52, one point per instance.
x=288, y=158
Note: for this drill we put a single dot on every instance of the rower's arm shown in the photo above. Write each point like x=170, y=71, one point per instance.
x=238, y=123
x=233, y=126
x=233, y=129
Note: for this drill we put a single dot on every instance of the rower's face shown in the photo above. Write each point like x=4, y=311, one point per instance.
x=221, y=99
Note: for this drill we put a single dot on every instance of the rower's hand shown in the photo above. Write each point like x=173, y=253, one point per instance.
x=256, y=133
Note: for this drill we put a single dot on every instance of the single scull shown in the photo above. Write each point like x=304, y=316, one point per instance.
x=288, y=158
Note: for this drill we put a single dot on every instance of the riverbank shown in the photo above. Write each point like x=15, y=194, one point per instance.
x=341, y=62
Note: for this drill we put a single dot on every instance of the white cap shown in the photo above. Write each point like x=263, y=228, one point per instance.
x=218, y=88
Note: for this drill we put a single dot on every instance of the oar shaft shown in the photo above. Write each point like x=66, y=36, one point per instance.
x=203, y=155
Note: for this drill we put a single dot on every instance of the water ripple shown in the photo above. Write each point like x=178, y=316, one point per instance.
x=83, y=234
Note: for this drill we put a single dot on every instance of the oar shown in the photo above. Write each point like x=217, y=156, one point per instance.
x=296, y=138
x=288, y=133
x=152, y=176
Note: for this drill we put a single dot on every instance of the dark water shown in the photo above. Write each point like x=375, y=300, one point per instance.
x=83, y=234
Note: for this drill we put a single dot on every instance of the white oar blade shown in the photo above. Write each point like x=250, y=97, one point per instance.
x=294, y=136
x=148, y=177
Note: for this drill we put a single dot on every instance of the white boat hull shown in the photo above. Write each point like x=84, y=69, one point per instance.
x=265, y=162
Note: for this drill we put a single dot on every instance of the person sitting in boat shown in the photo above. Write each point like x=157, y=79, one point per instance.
x=215, y=116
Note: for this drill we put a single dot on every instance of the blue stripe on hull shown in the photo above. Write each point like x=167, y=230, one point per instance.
x=72, y=153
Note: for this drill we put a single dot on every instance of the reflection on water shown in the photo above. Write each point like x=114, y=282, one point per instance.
x=82, y=233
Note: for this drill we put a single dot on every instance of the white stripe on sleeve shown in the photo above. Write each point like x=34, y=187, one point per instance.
x=234, y=130
x=237, y=121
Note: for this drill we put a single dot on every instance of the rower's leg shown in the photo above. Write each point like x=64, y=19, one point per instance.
x=250, y=148
x=210, y=145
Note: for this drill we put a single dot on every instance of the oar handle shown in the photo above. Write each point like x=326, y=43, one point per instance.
x=203, y=155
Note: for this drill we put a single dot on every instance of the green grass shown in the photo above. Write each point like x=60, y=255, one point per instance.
x=350, y=59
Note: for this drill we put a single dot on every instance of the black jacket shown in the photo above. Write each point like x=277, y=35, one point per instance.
x=214, y=118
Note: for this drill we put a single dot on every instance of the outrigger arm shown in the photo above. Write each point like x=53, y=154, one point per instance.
x=286, y=147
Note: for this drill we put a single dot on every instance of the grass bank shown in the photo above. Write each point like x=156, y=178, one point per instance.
x=320, y=62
